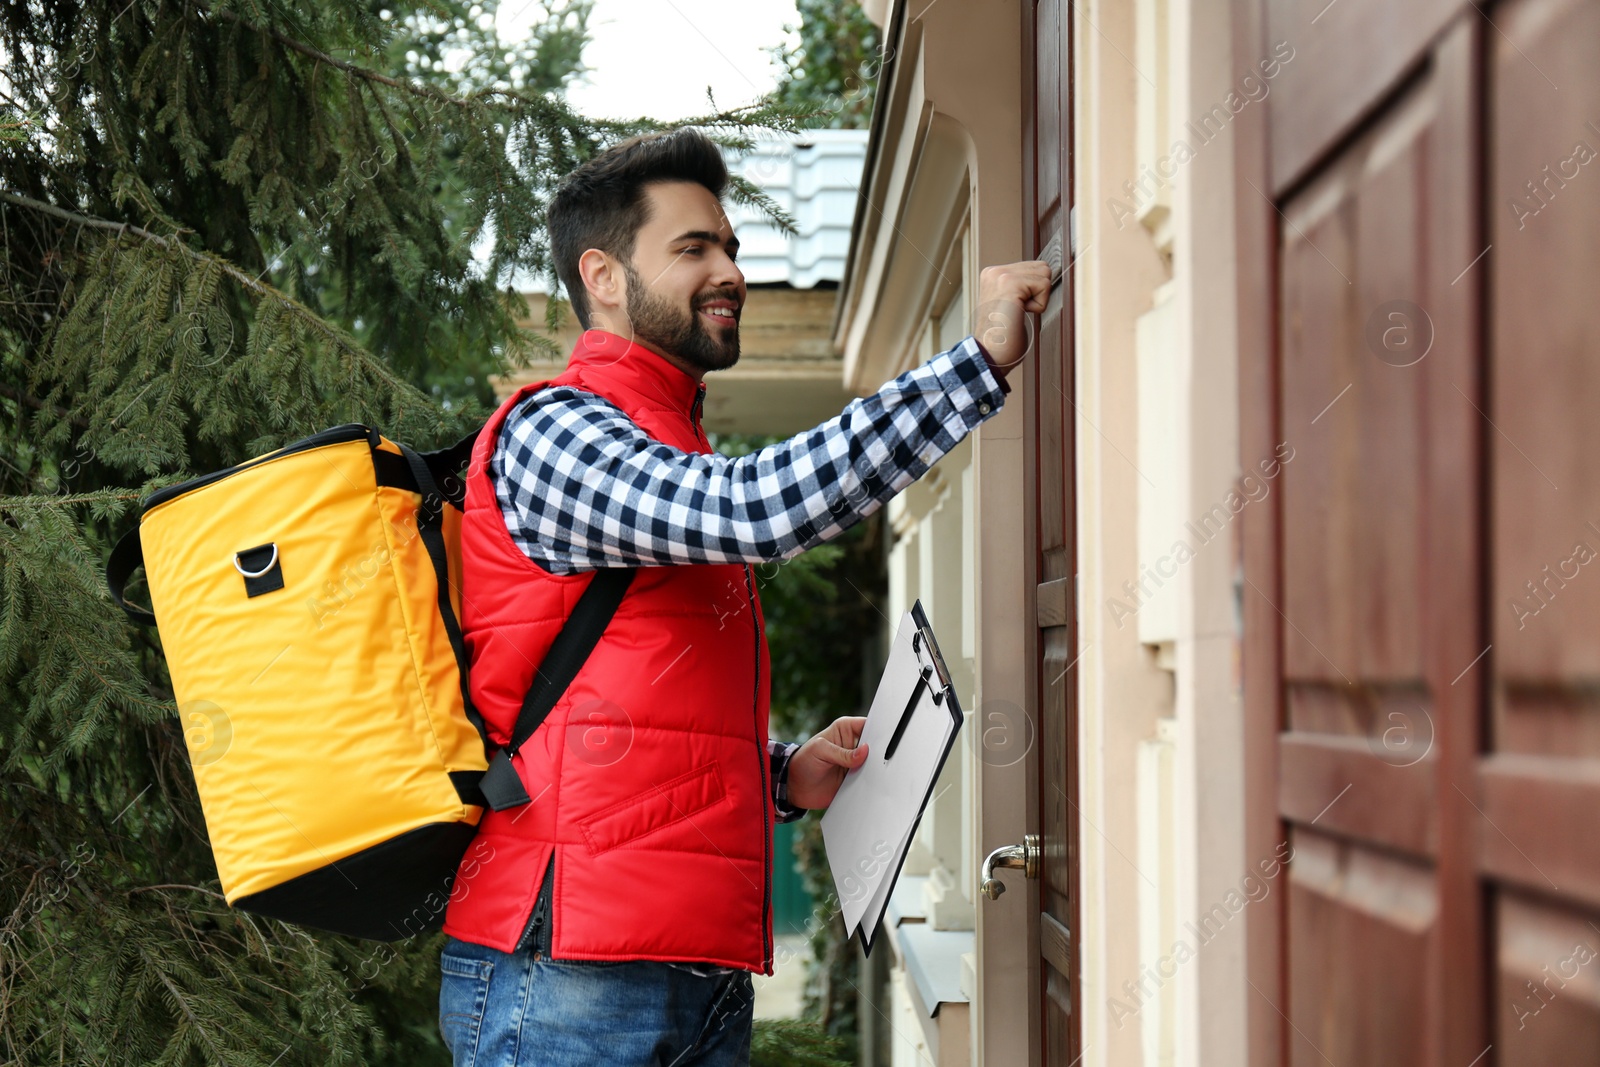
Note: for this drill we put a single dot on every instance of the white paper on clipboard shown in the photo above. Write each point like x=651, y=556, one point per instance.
x=868, y=827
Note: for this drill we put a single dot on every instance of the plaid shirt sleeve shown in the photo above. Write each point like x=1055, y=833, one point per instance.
x=581, y=486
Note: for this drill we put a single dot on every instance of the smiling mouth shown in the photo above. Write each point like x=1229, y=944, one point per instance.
x=721, y=320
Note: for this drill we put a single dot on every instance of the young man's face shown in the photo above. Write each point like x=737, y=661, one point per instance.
x=683, y=267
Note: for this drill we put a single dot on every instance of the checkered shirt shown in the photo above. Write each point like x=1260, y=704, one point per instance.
x=581, y=486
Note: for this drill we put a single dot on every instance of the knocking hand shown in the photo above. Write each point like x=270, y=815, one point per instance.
x=1006, y=295
x=818, y=768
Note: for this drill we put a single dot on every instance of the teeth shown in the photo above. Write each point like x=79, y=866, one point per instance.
x=723, y=312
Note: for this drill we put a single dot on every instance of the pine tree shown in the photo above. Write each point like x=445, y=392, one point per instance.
x=833, y=74
x=225, y=225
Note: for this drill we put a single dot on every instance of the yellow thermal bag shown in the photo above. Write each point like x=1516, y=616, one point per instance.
x=312, y=636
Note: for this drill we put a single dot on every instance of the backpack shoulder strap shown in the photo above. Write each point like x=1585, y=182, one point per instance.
x=501, y=785
x=126, y=558
x=446, y=463
x=430, y=526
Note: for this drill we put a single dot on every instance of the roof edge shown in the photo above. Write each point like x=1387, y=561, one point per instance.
x=880, y=111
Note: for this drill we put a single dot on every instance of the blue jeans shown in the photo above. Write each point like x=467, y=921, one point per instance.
x=509, y=1009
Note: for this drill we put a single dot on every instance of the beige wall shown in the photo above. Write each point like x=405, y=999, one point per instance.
x=1122, y=693
x=1161, y=740
x=1209, y=690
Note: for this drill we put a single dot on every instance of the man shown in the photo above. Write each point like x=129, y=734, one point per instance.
x=617, y=917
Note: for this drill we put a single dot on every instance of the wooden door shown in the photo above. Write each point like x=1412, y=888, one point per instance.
x=1047, y=140
x=1539, y=772
x=1421, y=626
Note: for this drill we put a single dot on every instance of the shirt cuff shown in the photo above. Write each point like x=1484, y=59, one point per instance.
x=780, y=753
x=971, y=385
x=1005, y=386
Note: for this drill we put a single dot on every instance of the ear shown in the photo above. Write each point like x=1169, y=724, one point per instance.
x=603, y=278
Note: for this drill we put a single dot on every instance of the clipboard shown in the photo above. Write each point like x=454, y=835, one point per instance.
x=911, y=727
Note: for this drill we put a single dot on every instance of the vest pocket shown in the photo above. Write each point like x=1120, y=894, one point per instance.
x=653, y=809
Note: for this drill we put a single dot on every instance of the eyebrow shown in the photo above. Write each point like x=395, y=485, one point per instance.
x=706, y=235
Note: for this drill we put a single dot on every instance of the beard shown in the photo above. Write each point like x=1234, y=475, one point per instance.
x=678, y=331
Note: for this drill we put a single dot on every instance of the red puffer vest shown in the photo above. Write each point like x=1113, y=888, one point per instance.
x=649, y=777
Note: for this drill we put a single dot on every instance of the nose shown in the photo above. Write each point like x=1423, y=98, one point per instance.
x=729, y=276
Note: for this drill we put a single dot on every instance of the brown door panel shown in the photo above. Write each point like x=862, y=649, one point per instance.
x=1539, y=785
x=1544, y=212
x=1364, y=598
x=1547, y=983
x=1354, y=787
x=1353, y=263
x=1338, y=60
x=1047, y=135
x=1362, y=925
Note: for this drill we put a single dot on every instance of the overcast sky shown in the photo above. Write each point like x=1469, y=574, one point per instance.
x=655, y=57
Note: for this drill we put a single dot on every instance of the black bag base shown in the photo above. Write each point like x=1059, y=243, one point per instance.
x=389, y=892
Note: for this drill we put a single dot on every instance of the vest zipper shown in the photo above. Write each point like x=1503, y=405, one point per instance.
x=540, y=922
x=766, y=787
x=697, y=409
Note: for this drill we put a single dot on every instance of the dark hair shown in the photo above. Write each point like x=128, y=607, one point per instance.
x=602, y=204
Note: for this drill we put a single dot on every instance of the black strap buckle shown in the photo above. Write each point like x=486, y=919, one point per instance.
x=501, y=785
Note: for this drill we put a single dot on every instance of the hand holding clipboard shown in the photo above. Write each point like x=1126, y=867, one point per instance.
x=910, y=729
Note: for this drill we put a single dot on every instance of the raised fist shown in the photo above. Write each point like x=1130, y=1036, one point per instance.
x=1007, y=294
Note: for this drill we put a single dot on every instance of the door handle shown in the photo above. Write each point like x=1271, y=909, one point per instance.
x=1024, y=857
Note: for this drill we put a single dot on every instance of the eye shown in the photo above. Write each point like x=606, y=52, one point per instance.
x=734, y=256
